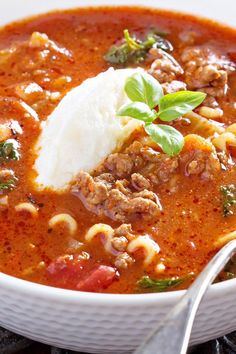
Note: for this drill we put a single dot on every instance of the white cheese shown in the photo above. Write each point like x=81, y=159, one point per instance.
x=83, y=129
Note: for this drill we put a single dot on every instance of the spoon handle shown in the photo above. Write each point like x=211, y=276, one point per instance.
x=172, y=336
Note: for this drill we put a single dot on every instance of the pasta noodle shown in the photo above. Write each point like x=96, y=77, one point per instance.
x=210, y=113
x=231, y=128
x=5, y=132
x=228, y=137
x=106, y=230
x=203, y=126
x=4, y=202
x=221, y=141
x=66, y=219
x=151, y=247
x=27, y=207
x=225, y=239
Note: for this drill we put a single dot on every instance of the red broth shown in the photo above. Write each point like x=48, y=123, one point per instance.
x=192, y=218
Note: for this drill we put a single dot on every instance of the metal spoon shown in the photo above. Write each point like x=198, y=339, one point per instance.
x=172, y=336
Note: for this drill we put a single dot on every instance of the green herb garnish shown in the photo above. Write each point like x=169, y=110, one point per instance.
x=159, y=285
x=135, y=50
x=146, y=93
x=8, y=185
x=229, y=198
x=9, y=150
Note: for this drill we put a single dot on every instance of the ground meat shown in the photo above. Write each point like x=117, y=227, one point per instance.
x=167, y=168
x=123, y=230
x=123, y=186
x=203, y=164
x=173, y=86
x=94, y=192
x=164, y=68
x=117, y=201
x=211, y=102
x=205, y=70
x=134, y=149
x=120, y=165
x=119, y=243
x=139, y=182
x=133, y=159
x=123, y=260
x=121, y=207
x=199, y=158
x=106, y=178
x=132, y=197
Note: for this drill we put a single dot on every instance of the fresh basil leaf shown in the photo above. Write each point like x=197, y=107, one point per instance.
x=168, y=138
x=138, y=110
x=142, y=87
x=174, y=105
x=159, y=285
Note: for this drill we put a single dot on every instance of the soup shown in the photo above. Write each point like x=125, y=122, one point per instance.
x=108, y=197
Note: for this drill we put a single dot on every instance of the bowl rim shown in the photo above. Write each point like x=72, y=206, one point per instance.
x=148, y=4
x=74, y=296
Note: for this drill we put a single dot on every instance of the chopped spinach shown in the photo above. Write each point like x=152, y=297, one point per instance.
x=134, y=50
x=229, y=199
x=159, y=285
x=9, y=150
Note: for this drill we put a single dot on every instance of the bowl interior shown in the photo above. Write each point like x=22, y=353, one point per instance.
x=24, y=8
x=214, y=9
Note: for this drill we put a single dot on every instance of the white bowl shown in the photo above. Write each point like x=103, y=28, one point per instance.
x=103, y=323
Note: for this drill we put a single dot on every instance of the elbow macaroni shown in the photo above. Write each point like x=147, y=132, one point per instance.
x=150, y=247
x=65, y=219
x=27, y=207
x=222, y=240
x=210, y=113
x=222, y=141
x=204, y=127
x=106, y=230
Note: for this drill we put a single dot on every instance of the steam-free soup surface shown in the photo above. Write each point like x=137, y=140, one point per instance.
x=185, y=202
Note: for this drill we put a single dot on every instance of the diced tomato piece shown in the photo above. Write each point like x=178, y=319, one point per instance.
x=99, y=278
x=71, y=272
x=66, y=271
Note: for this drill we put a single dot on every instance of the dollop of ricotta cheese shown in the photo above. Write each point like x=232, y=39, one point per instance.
x=83, y=129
